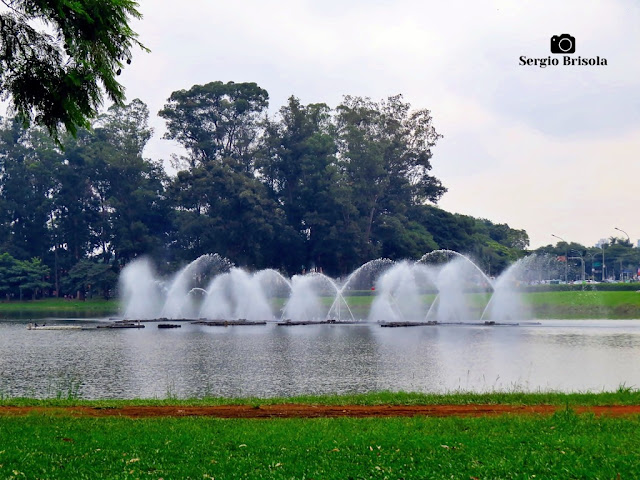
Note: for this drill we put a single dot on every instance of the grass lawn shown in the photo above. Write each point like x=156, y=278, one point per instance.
x=584, y=304
x=622, y=396
x=561, y=304
x=564, y=445
x=53, y=306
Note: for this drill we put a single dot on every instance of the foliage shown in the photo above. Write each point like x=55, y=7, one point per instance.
x=22, y=277
x=492, y=246
x=297, y=164
x=216, y=121
x=56, y=75
x=384, y=158
x=222, y=210
x=309, y=188
x=87, y=277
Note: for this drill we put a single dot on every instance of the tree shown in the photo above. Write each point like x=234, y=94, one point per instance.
x=28, y=159
x=216, y=122
x=7, y=274
x=384, y=156
x=18, y=277
x=88, y=276
x=298, y=165
x=134, y=212
x=110, y=200
x=56, y=75
x=218, y=209
x=32, y=277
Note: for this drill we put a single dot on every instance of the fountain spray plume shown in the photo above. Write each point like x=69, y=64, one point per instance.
x=399, y=294
x=305, y=302
x=140, y=291
x=178, y=302
x=506, y=302
x=236, y=295
x=443, y=286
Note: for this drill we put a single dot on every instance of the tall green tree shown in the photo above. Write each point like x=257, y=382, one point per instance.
x=384, y=157
x=32, y=277
x=28, y=159
x=89, y=277
x=216, y=122
x=134, y=211
x=59, y=57
x=8, y=280
x=219, y=209
x=298, y=164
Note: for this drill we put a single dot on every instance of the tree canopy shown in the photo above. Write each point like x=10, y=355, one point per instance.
x=59, y=57
x=310, y=186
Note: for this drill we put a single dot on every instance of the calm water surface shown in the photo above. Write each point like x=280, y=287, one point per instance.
x=567, y=355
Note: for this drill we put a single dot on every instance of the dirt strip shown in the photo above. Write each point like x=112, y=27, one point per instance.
x=313, y=411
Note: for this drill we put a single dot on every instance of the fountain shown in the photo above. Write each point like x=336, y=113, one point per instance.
x=442, y=287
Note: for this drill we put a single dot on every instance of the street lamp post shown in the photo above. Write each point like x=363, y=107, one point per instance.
x=579, y=257
x=621, y=230
x=593, y=260
x=566, y=258
x=629, y=242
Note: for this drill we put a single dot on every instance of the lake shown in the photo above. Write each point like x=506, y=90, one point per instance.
x=271, y=360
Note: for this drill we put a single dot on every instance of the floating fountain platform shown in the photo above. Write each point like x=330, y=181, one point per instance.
x=408, y=324
x=152, y=320
x=122, y=324
x=290, y=323
x=229, y=323
x=430, y=323
x=35, y=326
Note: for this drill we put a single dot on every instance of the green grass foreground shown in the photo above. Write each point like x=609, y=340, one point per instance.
x=622, y=396
x=564, y=445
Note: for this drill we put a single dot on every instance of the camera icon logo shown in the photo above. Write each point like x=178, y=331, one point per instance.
x=564, y=43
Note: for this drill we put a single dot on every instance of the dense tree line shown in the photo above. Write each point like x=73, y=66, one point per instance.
x=309, y=187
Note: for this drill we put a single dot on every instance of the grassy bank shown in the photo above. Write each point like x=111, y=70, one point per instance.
x=552, y=304
x=584, y=304
x=564, y=445
x=549, y=304
x=59, y=306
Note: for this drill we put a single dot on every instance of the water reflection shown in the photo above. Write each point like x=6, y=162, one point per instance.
x=273, y=361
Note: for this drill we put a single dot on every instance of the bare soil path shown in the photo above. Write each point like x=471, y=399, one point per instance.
x=313, y=411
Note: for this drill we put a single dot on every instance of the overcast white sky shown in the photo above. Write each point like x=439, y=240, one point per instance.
x=549, y=150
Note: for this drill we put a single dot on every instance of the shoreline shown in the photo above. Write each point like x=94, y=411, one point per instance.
x=320, y=411
x=591, y=304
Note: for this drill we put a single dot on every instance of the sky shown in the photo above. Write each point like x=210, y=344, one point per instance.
x=553, y=151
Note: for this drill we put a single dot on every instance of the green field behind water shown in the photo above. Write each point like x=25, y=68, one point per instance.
x=554, y=304
x=590, y=304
